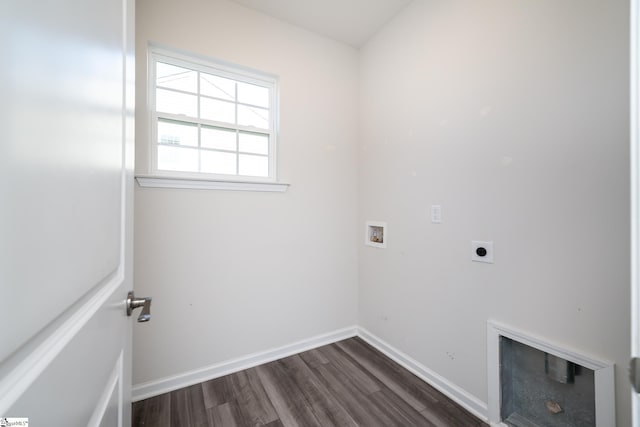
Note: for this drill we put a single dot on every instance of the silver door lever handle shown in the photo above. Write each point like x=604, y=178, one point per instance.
x=133, y=303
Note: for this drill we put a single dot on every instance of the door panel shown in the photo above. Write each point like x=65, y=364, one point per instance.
x=66, y=177
x=80, y=377
x=60, y=159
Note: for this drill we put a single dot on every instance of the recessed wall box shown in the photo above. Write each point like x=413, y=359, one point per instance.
x=376, y=234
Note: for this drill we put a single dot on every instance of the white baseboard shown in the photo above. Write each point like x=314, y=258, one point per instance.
x=154, y=388
x=471, y=403
x=167, y=384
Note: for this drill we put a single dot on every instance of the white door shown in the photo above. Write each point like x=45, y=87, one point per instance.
x=66, y=156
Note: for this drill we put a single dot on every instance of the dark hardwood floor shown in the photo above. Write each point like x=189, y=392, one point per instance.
x=348, y=383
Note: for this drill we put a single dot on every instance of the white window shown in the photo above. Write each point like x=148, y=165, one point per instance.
x=210, y=119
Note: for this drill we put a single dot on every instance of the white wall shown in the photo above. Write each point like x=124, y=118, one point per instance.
x=511, y=115
x=514, y=117
x=232, y=273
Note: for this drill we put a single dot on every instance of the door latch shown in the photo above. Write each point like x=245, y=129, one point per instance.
x=133, y=303
x=634, y=374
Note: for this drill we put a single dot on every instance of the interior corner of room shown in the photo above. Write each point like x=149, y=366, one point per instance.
x=512, y=118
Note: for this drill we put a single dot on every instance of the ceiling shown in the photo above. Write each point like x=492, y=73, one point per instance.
x=349, y=21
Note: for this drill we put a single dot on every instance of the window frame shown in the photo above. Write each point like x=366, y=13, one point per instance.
x=222, y=69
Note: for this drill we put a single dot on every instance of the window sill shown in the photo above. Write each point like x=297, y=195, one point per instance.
x=151, y=181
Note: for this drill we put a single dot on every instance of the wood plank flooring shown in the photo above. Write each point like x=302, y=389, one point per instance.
x=348, y=383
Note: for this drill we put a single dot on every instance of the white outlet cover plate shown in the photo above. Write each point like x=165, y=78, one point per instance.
x=488, y=258
x=436, y=214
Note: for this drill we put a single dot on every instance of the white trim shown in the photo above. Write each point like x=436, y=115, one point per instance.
x=31, y=363
x=635, y=177
x=167, y=384
x=493, y=374
x=463, y=398
x=603, y=371
x=635, y=194
x=152, y=181
x=103, y=402
x=206, y=63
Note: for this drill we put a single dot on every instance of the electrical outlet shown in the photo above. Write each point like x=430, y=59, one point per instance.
x=482, y=251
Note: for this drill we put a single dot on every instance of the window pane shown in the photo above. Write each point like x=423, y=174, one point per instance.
x=177, y=159
x=176, y=77
x=219, y=111
x=177, y=133
x=168, y=101
x=218, y=162
x=252, y=94
x=254, y=165
x=219, y=139
x=218, y=87
x=253, y=116
x=254, y=143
